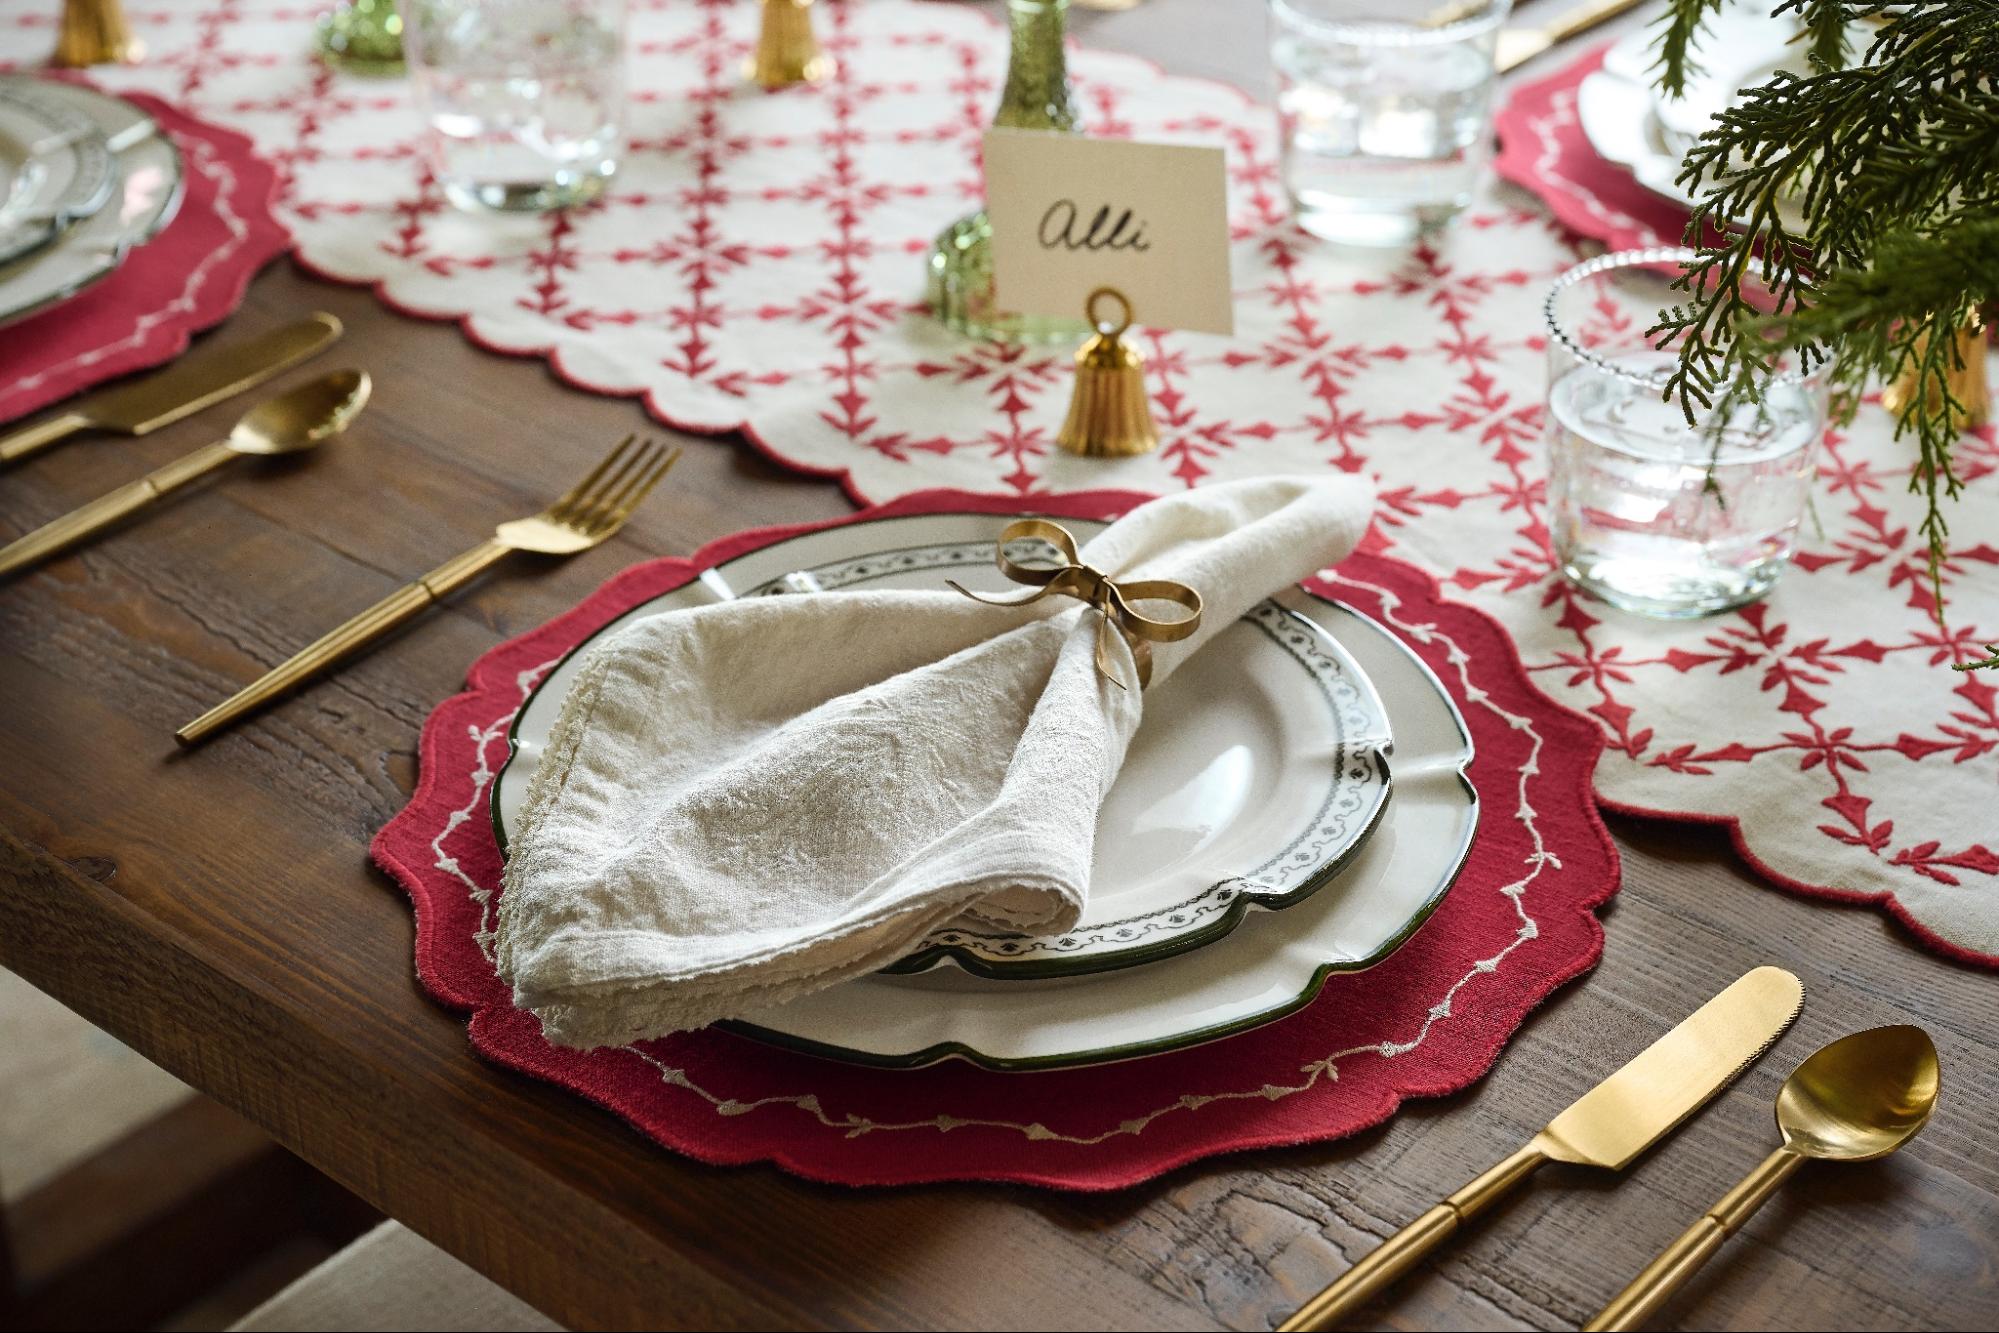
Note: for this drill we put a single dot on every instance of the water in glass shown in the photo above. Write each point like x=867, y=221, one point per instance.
x=1659, y=517
x=1385, y=118
x=524, y=98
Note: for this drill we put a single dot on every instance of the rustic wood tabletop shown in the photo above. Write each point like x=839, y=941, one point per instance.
x=217, y=911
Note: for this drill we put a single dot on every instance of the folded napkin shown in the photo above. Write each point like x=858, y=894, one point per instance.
x=743, y=803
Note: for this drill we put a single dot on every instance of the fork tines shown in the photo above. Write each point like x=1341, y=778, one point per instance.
x=614, y=488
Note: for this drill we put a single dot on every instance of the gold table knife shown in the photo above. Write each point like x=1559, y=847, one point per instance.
x=1517, y=46
x=197, y=380
x=1607, y=1126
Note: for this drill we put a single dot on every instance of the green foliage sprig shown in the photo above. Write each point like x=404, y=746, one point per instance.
x=1989, y=662
x=1865, y=198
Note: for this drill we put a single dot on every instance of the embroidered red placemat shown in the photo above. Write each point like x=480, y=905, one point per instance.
x=1542, y=147
x=1427, y=1021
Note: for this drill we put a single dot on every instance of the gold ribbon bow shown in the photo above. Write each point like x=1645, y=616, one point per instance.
x=1113, y=600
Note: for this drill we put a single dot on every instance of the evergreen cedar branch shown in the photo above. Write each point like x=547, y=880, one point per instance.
x=1893, y=167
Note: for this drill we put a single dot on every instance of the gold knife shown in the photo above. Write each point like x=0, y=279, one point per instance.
x=1517, y=46
x=195, y=381
x=1607, y=1126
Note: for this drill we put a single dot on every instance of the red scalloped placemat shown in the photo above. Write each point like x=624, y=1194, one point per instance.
x=1429, y=1020
x=1542, y=148
x=188, y=278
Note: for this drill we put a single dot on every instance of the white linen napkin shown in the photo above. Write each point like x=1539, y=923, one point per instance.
x=743, y=803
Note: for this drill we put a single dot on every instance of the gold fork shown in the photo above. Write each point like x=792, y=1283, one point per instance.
x=588, y=514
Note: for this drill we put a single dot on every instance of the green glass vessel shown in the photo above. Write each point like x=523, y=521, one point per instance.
x=1036, y=97
x=363, y=37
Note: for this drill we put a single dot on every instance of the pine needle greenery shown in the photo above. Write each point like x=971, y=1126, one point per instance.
x=1864, y=195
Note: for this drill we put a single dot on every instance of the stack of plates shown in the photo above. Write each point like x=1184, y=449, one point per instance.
x=83, y=179
x=1629, y=122
x=1265, y=831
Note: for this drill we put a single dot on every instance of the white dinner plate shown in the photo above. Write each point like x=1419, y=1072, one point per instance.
x=1271, y=962
x=55, y=167
x=1628, y=121
x=148, y=189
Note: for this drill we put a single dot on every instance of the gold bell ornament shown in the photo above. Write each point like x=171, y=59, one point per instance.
x=1967, y=382
x=787, y=51
x=94, y=32
x=1109, y=416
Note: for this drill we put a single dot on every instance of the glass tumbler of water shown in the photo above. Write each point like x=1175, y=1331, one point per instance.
x=523, y=100
x=1646, y=509
x=1385, y=112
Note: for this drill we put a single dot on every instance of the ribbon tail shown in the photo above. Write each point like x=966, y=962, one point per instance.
x=1104, y=631
x=1034, y=596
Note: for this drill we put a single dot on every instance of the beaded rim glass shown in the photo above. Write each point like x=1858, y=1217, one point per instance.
x=1649, y=257
x=1446, y=24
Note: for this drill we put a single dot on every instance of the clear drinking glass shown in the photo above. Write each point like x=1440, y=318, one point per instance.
x=1647, y=510
x=524, y=100
x=1384, y=111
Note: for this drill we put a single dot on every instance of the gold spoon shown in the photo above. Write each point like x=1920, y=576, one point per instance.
x=1860, y=1098
x=286, y=424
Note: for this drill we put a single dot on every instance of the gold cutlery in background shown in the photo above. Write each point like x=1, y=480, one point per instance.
x=589, y=514
x=287, y=424
x=1517, y=46
x=1860, y=1098
x=197, y=380
x=1607, y=1126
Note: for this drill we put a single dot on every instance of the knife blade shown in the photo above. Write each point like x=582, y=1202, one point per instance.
x=1606, y=1127
x=1674, y=1076
x=197, y=380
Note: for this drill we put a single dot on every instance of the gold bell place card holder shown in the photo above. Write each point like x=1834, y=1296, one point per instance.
x=1125, y=232
x=787, y=49
x=94, y=32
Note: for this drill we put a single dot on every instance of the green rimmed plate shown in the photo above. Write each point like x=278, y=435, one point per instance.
x=151, y=180
x=55, y=167
x=1268, y=965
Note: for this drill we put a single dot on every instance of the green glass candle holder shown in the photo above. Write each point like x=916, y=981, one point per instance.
x=1036, y=97
x=363, y=37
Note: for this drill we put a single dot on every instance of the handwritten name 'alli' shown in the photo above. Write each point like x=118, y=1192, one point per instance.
x=1062, y=227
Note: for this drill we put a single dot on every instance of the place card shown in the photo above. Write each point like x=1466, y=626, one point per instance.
x=1071, y=214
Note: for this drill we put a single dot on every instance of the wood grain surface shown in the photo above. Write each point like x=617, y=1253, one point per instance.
x=216, y=910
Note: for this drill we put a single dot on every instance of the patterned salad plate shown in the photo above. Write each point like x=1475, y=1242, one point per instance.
x=55, y=167
x=147, y=184
x=1257, y=759
x=1232, y=800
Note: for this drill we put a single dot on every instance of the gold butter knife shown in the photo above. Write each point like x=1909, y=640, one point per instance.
x=1517, y=46
x=197, y=380
x=1608, y=1126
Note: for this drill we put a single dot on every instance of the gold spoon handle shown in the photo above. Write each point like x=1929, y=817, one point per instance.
x=107, y=509
x=336, y=646
x=33, y=439
x=1696, y=1245
x=1403, y=1250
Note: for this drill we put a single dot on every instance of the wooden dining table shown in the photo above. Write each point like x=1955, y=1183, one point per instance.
x=216, y=909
